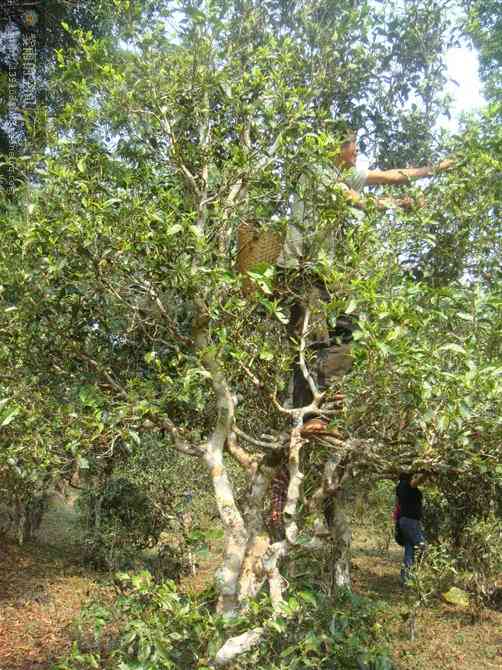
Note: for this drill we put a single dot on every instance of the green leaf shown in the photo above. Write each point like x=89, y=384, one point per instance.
x=453, y=347
x=142, y=581
x=383, y=348
x=174, y=229
x=293, y=649
x=456, y=596
x=214, y=533
x=293, y=604
x=88, y=396
x=83, y=463
x=277, y=625
x=10, y=417
x=203, y=552
x=308, y=597
x=135, y=436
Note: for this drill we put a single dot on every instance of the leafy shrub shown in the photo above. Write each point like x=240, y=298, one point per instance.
x=169, y=560
x=124, y=502
x=481, y=554
x=316, y=631
x=121, y=521
x=161, y=629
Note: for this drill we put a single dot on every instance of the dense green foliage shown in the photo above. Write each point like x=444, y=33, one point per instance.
x=160, y=628
x=484, y=25
x=98, y=312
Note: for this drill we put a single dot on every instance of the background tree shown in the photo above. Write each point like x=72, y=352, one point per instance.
x=31, y=32
x=484, y=26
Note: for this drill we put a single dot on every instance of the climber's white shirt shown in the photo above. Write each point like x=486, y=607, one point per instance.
x=315, y=189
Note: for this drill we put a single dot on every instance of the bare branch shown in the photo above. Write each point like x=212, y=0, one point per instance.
x=269, y=157
x=114, y=384
x=150, y=289
x=257, y=443
x=295, y=481
x=295, y=413
x=317, y=396
x=235, y=193
x=188, y=175
x=179, y=443
x=251, y=376
x=248, y=461
x=204, y=140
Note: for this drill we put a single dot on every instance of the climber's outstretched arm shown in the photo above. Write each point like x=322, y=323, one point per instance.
x=386, y=202
x=405, y=175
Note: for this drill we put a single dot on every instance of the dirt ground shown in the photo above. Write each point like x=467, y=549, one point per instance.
x=43, y=587
x=447, y=636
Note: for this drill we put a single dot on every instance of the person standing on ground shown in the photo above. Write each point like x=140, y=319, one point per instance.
x=410, y=501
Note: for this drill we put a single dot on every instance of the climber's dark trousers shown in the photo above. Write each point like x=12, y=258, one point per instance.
x=333, y=356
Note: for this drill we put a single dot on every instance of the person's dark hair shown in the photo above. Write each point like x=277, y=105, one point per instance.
x=342, y=131
x=405, y=476
x=348, y=137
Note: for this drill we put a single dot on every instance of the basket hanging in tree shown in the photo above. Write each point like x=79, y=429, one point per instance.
x=256, y=246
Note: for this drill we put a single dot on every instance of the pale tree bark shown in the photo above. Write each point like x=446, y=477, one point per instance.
x=238, y=645
x=227, y=577
x=342, y=537
x=323, y=494
x=252, y=573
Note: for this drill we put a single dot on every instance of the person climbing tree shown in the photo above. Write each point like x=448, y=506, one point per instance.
x=333, y=343
x=410, y=499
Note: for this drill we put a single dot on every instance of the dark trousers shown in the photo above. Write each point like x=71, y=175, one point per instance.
x=332, y=345
x=413, y=537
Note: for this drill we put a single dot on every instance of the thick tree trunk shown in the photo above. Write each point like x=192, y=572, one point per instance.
x=252, y=573
x=227, y=577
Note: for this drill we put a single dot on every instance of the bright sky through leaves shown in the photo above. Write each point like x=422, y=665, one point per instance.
x=464, y=85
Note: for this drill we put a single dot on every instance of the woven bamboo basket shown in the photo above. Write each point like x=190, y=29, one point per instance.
x=256, y=246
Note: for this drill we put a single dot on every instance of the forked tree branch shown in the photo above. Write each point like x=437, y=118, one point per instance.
x=262, y=444
x=180, y=444
x=317, y=396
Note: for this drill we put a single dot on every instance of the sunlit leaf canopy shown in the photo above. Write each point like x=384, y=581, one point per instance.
x=129, y=216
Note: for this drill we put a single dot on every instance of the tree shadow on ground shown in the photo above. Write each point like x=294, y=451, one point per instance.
x=375, y=581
